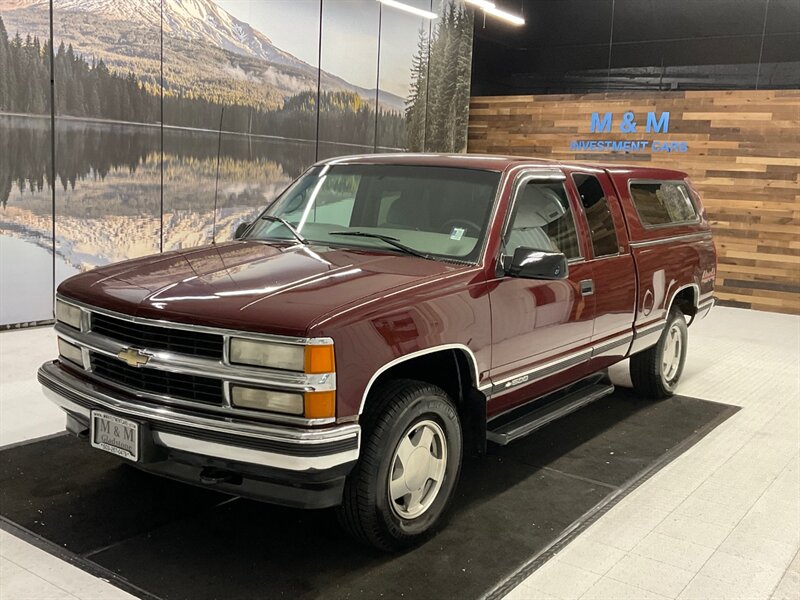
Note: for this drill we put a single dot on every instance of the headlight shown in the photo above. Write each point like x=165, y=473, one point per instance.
x=261, y=399
x=70, y=351
x=267, y=354
x=311, y=405
x=68, y=314
x=312, y=359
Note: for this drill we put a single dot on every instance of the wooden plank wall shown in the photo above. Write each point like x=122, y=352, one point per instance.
x=743, y=156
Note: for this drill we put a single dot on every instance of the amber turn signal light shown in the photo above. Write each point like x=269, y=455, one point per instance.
x=320, y=405
x=319, y=359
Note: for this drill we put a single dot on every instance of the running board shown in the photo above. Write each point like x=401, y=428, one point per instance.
x=540, y=415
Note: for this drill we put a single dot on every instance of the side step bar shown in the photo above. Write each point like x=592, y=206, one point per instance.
x=538, y=415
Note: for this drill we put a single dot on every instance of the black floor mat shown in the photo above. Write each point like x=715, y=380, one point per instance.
x=175, y=541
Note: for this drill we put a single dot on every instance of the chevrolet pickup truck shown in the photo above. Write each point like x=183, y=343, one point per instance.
x=383, y=316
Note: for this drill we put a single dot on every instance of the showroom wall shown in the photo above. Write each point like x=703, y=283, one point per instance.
x=158, y=108
x=740, y=148
x=727, y=72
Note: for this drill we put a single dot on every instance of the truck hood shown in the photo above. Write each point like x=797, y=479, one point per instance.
x=248, y=285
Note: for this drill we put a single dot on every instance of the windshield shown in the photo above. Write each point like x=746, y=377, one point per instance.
x=431, y=211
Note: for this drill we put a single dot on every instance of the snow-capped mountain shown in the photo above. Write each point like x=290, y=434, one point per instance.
x=191, y=27
x=198, y=20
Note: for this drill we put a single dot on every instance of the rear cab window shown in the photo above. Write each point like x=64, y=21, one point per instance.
x=598, y=215
x=663, y=203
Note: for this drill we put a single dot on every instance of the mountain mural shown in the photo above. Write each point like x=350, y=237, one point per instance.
x=208, y=53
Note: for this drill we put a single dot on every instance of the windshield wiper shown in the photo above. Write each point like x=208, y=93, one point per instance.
x=288, y=226
x=385, y=238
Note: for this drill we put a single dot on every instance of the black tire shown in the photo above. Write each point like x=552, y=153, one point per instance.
x=393, y=412
x=649, y=376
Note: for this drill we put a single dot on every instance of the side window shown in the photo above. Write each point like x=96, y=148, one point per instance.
x=542, y=220
x=663, y=203
x=595, y=205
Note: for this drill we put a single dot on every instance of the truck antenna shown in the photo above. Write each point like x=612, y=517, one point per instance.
x=216, y=179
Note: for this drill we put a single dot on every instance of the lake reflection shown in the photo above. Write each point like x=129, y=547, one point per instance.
x=109, y=193
x=108, y=185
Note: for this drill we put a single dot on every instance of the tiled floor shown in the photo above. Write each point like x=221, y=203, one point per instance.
x=721, y=521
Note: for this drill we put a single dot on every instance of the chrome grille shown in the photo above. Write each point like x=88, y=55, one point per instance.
x=183, y=341
x=155, y=381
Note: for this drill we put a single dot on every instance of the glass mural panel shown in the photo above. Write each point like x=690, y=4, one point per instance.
x=108, y=148
x=349, y=76
x=402, y=77
x=26, y=213
x=238, y=118
x=240, y=81
x=448, y=73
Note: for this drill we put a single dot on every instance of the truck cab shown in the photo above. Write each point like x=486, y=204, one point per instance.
x=383, y=316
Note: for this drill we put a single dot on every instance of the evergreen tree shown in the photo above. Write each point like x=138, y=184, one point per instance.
x=416, y=104
x=437, y=107
x=5, y=69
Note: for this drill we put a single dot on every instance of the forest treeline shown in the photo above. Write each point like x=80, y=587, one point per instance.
x=437, y=109
x=90, y=89
x=91, y=151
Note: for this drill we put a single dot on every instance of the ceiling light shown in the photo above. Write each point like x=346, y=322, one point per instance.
x=506, y=16
x=410, y=9
x=491, y=9
x=484, y=4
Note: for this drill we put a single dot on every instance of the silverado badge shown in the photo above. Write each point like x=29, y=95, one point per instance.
x=133, y=357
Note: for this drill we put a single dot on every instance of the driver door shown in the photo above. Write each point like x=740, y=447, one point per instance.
x=541, y=329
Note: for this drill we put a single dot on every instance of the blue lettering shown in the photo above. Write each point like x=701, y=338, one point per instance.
x=628, y=124
x=598, y=125
x=657, y=126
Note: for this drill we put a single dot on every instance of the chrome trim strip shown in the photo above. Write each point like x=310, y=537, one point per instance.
x=647, y=336
x=163, y=360
x=705, y=307
x=542, y=371
x=418, y=353
x=51, y=372
x=226, y=409
x=200, y=328
x=675, y=238
x=658, y=328
x=561, y=364
x=612, y=343
x=246, y=455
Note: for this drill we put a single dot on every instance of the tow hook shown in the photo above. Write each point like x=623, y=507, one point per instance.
x=214, y=476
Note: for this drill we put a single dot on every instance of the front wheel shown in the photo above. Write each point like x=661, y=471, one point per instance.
x=655, y=372
x=409, y=466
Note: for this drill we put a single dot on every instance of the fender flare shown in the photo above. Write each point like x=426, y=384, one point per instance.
x=412, y=355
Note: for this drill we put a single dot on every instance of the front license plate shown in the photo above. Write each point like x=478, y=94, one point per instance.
x=115, y=434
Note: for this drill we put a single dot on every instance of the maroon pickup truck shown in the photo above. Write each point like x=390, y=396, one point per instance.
x=384, y=315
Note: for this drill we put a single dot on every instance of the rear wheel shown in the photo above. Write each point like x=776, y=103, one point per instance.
x=655, y=372
x=409, y=466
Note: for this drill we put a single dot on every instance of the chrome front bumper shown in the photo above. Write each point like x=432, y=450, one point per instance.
x=278, y=447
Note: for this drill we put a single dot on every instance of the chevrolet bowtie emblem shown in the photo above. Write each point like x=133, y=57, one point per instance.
x=133, y=357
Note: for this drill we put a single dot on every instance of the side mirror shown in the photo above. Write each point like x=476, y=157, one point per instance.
x=240, y=229
x=538, y=264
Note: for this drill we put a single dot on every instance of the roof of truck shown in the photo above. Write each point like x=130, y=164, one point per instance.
x=493, y=162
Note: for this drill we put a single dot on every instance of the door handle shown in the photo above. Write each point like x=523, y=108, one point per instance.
x=587, y=287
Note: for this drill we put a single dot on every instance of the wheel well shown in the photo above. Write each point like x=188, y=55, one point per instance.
x=686, y=300
x=452, y=371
